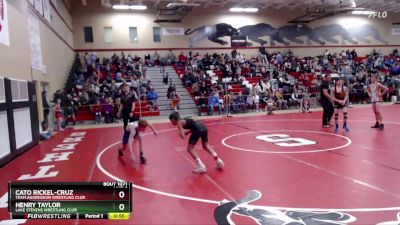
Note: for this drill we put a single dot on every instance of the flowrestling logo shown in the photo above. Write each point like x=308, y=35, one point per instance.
x=379, y=15
x=264, y=215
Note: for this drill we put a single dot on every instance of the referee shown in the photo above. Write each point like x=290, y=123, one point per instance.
x=326, y=101
x=127, y=106
x=127, y=109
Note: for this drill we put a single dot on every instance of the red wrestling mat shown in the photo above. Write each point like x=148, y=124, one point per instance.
x=280, y=169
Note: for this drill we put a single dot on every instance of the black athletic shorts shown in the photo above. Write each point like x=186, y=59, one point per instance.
x=200, y=132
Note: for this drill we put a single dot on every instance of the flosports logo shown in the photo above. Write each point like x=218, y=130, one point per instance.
x=379, y=15
x=1, y=13
x=265, y=215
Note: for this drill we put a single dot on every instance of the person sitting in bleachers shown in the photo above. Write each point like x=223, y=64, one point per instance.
x=204, y=89
x=202, y=102
x=152, y=97
x=116, y=106
x=256, y=100
x=249, y=103
x=239, y=103
x=282, y=103
x=186, y=81
x=108, y=110
x=213, y=101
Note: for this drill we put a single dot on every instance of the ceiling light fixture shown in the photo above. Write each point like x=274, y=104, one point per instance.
x=132, y=7
x=249, y=10
x=122, y=7
x=182, y=4
x=361, y=12
x=138, y=7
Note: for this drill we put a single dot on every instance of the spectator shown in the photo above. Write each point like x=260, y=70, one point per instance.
x=135, y=84
x=234, y=53
x=116, y=107
x=58, y=114
x=147, y=59
x=171, y=89
x=58, y=95
x=45, y=132
x=152, y=96
x=213, y=101
x=182, y=57
x=204, y=89
x=263, y=54
x=70, y=110
x=202, y=102
x=175, y=100
x=108, y=110
x=228, y=100
x=46, y=106
x=282, y=103
x=256, y=101
x=298, y=97
x=156, y=58
x=171, y=58
x=249, y=103
x=270, y=105
x=97, y=112
x=239, y=103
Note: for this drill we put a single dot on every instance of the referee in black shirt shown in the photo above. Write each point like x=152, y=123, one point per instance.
x=127, y=109
x=127, y=106
x=326, y=101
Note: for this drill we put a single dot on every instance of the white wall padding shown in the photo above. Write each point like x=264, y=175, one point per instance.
x=22, y=126
x=4, y=136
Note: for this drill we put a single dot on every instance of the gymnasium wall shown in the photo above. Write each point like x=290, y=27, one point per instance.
x=56, y=46
x=120, y=21
x=57, y=53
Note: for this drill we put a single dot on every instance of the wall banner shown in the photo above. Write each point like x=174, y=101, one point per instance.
x=34, y=41
x=46, y=10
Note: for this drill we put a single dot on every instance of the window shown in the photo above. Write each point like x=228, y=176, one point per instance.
x=156, y=34
x=19, y=90
x=108, y=38
x=88, y=31
x=4, y=135
x=133, y=37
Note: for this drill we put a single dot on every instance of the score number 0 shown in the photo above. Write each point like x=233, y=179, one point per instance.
x=121, y=195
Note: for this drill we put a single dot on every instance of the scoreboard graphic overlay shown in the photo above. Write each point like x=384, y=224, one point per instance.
x=70, y=200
